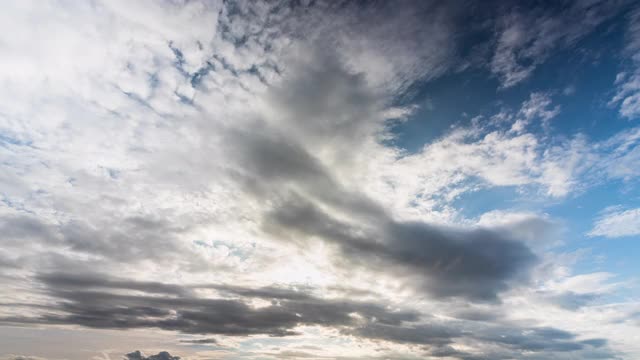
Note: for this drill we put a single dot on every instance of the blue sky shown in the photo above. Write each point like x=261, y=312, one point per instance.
x=320, y=180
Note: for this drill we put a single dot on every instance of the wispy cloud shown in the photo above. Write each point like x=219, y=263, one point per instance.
x=617, y=222
x=526, y=39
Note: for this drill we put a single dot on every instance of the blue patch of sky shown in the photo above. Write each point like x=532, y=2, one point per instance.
x=579, y=214
x=242, y=253
x=179, y=59
x=588, y=69
x=442, y=103
x=201, y=73
x=196, y=78
x=475, y=203
x=8, y=140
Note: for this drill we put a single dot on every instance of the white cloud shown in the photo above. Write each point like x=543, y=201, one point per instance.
x=617, y=222
x=628, y=84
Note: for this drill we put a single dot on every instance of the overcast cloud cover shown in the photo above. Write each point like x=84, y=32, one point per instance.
x=319, y=180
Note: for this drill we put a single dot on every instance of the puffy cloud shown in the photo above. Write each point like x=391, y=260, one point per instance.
x=99, y=302
x=476, y=264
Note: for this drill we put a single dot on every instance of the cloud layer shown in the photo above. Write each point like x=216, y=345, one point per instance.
x=229, y=173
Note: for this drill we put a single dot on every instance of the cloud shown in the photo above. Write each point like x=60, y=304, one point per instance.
x=617, y=222
x=454, y=262
x=163, y=355
x=86, y=281
x=525, y=39
x=114, y=306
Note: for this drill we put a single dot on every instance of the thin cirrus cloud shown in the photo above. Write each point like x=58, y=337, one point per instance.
x=235, y=176
x=617, y=223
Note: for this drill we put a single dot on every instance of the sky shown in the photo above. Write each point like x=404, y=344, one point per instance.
x=255, y=180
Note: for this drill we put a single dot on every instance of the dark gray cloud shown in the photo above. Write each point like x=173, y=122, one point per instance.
x=104, y=305
x=205, y=341
x=163, y=355
x=96, y=302
x=338, y=107
x=86, y=281
x=477, y=264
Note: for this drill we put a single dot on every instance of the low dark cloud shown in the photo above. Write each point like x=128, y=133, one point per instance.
x=512, y=341
x=476, y=264
x=207, y=341
x=267, y=292
x=105, y=305
x=108, y=303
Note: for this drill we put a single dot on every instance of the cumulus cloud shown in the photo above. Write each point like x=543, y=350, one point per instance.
x=100, y=303
x=103, y=304
x=455, y=262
